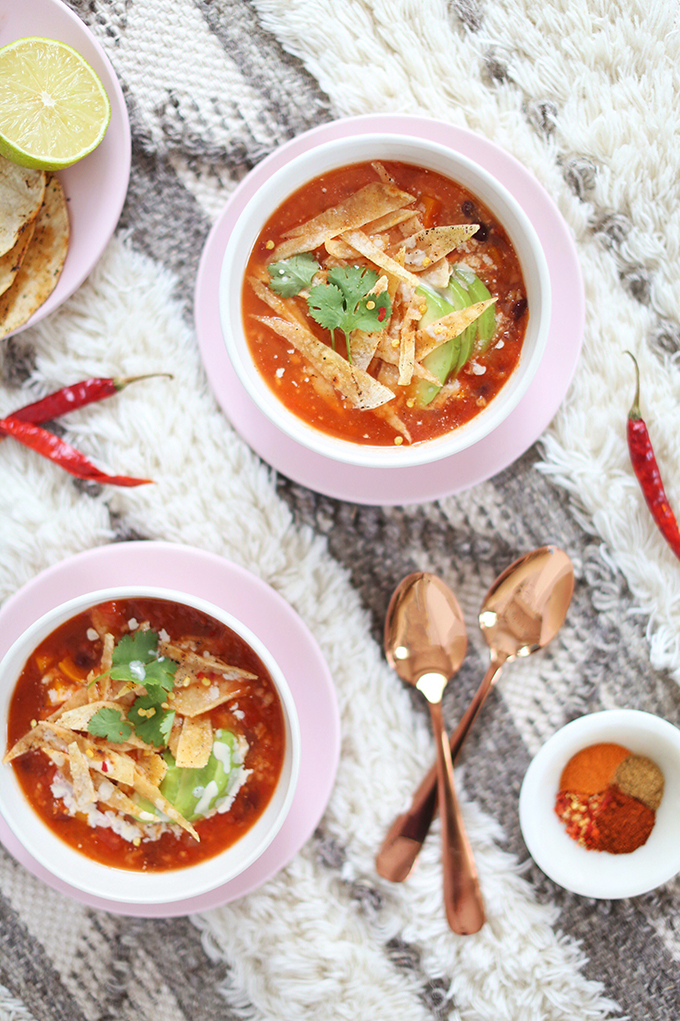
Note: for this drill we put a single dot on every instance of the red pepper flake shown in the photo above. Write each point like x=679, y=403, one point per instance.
x=105, y=767
x=382, y=312
x=579, y=813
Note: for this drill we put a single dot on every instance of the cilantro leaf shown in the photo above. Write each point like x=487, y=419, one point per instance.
x=345, y=302
x=136, y=645
x=290, y=276
x=326, y=304
x=135, y=659
x=109, y=723
x=151, y=721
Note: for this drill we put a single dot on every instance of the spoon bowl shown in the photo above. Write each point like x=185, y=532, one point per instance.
x=425, y=642
x=522, y=611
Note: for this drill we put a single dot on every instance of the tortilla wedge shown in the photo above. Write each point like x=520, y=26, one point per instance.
x=83, y=788
x=361, y=390
x=451, y=325
x=42, y=264
x=195, y=742
x=21, y=196
x=10, y=262
x=200, y=698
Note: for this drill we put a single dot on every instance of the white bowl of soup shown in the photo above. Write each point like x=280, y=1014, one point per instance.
x=151, y=745
x=384, y=301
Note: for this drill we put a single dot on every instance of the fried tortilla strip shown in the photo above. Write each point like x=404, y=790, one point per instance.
x=451, y=325
x=390, y=416
x=102, y=756
x=83, y=788
x=43, y=262
x=363, y=347
x=195, y=742
x=438, y=274
x=434, y=243
x=36, y=737
x=77, y=718
x=390, y=355
x=363, y=391
x=74, y=701
x=200, y=698
x=340, y=250
x=197, y=662
x=21, y=196
x=387, y=221
x=364, y=205
x=173, y=738
x=154, y=767
x=363, y=244
x=143, y=786
x=286, y=309
x=113, y=797
x=10, y=262
x=382, y=172
x=412, y=314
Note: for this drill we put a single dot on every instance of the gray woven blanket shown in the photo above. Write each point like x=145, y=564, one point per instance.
x=584, y=94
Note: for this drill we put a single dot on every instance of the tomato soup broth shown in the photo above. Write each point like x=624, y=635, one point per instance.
x=488, y=254
x=70, y=660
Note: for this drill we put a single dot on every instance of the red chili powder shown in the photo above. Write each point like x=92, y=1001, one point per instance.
x=623, y=823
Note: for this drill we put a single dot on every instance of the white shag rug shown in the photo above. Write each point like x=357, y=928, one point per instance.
x=584, y=94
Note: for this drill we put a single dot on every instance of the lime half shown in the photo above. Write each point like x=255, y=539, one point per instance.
x=53, y=108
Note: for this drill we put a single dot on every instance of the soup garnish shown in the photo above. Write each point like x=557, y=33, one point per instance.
x=394, y=313
x=146, y=734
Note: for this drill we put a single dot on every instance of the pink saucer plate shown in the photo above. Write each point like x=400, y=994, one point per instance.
x=459, y=471
x=96, y=186
x=269, y=616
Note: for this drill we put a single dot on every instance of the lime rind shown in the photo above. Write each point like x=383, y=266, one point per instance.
x=55, y=134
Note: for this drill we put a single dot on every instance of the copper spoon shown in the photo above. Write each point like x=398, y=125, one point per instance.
x=522, y=611
x=425, y=642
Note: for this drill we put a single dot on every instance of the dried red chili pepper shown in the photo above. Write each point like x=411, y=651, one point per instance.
x=647, y=471
x=78, y=395
x=62, y=453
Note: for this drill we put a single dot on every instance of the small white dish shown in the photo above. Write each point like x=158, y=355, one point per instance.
x=124, y=886
x=599, y=874
x=443, y=160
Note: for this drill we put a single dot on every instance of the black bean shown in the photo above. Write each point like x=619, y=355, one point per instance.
x=518, y=309
x=483, y=233
x=468, y=207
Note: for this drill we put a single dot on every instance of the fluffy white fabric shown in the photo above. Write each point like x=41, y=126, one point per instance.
x=302, y=946
x=212, y=492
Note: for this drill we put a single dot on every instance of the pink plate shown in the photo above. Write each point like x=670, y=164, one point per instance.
x=270, y=617
x=96, y=186
x=386, y=486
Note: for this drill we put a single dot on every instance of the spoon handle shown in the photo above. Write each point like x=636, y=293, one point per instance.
x=462, y=897
x=405, y=836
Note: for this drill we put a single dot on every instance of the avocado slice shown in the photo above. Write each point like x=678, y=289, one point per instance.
x=194, y=792
x=444, y=359
x=485, y=326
